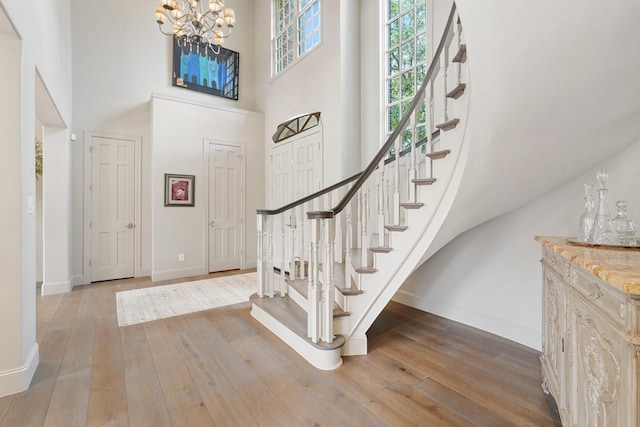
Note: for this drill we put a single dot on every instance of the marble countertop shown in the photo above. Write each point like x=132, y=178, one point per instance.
x=620, y=267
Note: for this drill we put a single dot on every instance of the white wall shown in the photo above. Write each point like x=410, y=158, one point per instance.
x=179, y=132
x=120, y=59
x=489, y=277
x=312, y=84
x=38, y=37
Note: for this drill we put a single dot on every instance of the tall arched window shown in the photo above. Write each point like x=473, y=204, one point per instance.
x=405, y=61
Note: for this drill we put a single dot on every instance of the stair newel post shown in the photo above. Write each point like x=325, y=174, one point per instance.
x=269, y=269
x=283, y=252
x=328, y=297
x=396, y=193
x=314, y=291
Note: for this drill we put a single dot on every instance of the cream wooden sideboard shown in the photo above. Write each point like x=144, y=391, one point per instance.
x=591, y=332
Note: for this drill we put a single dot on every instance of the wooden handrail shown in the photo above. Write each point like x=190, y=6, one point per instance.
x=309, y=197
x=373, y=165
x=361, y=177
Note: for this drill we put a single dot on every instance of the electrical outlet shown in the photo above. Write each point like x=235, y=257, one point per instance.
x=180, y=257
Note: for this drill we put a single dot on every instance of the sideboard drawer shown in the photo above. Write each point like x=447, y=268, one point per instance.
x=605, y=299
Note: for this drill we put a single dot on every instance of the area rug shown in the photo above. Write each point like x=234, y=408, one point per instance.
x=160, y=302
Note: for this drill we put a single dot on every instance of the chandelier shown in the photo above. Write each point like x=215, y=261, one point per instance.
x=206, y=21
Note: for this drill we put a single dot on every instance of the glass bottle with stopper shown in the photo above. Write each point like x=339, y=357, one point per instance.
x=587, y=217
x=625, y=227
x=603, y=232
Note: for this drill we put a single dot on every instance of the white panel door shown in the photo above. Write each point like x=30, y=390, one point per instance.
x=112, y=208
x=296, y=172
x=225, y=207
x=307, y=166
x=281, y=176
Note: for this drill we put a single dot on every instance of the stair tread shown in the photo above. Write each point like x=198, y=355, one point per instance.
x=411, y=205
x=380, y=249
x=448, y=125
x=435, y=155
x=289, y=314
x=396, y=227
x=461, y=55
x=356, y=262
x=423, y=181
x=457, y=91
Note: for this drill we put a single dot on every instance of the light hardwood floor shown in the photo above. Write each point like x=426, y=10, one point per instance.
x=222, y=368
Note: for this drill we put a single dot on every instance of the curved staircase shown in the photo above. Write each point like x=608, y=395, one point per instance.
x=340, y=264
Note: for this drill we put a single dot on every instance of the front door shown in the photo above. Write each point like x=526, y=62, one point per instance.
x=112, y=208
x=225, y=207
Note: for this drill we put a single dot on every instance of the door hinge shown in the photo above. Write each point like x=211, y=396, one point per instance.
x=89, y=263
x=90, y=225
x=563, y=345
x=91, y=149
x=90, y=187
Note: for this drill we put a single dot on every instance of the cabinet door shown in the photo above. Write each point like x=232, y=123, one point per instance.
x=600, y=394
x=553, y=306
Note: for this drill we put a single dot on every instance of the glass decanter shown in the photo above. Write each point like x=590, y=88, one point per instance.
x=625, y=227
x=603, y=232
x=587, y=217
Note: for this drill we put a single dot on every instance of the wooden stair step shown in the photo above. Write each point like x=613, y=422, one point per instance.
x=410, y=205
x=461, y=55
x=457, y=91
x=289, y=314
x=396, y=227
x=356, y=262
x=349, y=291
x=448, y=125
x=435, y=155
x=423, y=181
x=380, y=249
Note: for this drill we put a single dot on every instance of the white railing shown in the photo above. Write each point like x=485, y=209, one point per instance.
x=302, y=236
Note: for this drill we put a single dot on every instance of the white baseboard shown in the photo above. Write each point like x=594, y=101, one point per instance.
x=52, y=288
x=157, y=276
x=494, y=325
x=18, y=380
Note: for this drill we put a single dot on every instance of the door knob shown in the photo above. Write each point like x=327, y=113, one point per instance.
x=213, y=223
x=130, y=226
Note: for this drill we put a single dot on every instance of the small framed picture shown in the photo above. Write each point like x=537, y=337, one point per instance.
x=179, y=190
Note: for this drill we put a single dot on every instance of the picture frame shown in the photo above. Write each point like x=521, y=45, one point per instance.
x=179, y=190
x=191, y=59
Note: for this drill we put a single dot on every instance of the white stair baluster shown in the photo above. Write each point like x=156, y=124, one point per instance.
x=396, y=193
x=283, y=251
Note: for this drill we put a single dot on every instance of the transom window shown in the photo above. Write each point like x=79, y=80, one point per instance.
x=406, y=63
x=296, y=30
